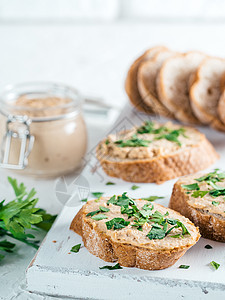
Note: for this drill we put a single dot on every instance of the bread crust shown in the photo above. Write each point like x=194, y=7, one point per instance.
x=126, y=255
x=131, y=85
x=211, y=226
x=159, y=169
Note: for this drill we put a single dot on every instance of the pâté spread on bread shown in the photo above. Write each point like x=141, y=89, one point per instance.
x=201, y=198
x=155, y=152
x=136, y=233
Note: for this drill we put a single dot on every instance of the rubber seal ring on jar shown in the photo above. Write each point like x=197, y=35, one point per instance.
x=17, y=127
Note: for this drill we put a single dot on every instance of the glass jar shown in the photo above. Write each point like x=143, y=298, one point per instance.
x=42, y=130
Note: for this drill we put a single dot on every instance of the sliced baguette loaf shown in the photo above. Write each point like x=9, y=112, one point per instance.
x=155, y=153
x=202, y=203
x=147, y=74
x=206, y=91
x=142, y=237
x=131, y=85
x=221, y=104
x=173, y=84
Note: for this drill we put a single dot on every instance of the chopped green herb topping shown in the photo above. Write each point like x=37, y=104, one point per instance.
x=107, y=142
x=116, y=267
x=84, y=200
x=162, y=132
x=134, y=142
x=99, y=217
x=110, y=183
x=152, y=198
x=197, y=194
x=215, y=265
x=142, y=216
x=76, y=248
x=135, y=187
x=208, y=246
x=101, y=209
x=184, y=267
x=212, y=176
x=97, y=194
x=190, y=187
x=116, y=223
x=215, y=203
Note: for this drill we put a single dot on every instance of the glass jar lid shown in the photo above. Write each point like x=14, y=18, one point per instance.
x=40, y=101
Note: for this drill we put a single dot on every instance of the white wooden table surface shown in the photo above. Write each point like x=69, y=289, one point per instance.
x=93, y=58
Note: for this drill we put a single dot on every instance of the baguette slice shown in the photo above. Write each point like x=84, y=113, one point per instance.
x=206, y=91
x=130, y=246
x=221, y=104
x=173, y=84
x=206, y=212
x=131, y=85
x=147, y=74
x=160, y=159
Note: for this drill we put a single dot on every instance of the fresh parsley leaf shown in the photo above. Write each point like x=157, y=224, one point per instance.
x=197, y=194
x=76, y=248
x=135, y=187
x=92, y=213
x=152, y=198
x=212, y=176
x=99, y=217
x=217, y=193
x=208, y=246
x=117, y=223
x=104, y=209
x=184, y=267
x=84, y=200
x=216, y=187
x=6, y=246
x=134, y=142
x=148, y=127
x=156, y=232
x=215, y=203
x=115, y=267
x=110, y=183
x=112, y=200
x=190, y=187
x=175, y=236
x=47, y=220
x=107, y=142
x=97, y=194
x=101, y=209
x=215, y=265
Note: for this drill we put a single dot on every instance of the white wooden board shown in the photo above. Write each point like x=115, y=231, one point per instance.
x=56, y=271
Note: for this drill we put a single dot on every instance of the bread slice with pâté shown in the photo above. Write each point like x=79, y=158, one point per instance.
x=131, y=85
x=200, y=197
x=155, y=152
x=134, y=233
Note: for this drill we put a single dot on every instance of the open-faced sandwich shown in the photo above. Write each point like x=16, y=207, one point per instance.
x=155, y=153
x=201, y=198
x=136, y=233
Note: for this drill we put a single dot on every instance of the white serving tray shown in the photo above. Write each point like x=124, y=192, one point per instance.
x=56, y=271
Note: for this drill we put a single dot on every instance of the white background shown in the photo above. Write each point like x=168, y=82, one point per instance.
x=90, y=45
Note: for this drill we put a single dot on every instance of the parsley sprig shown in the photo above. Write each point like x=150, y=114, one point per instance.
x=20, y=215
